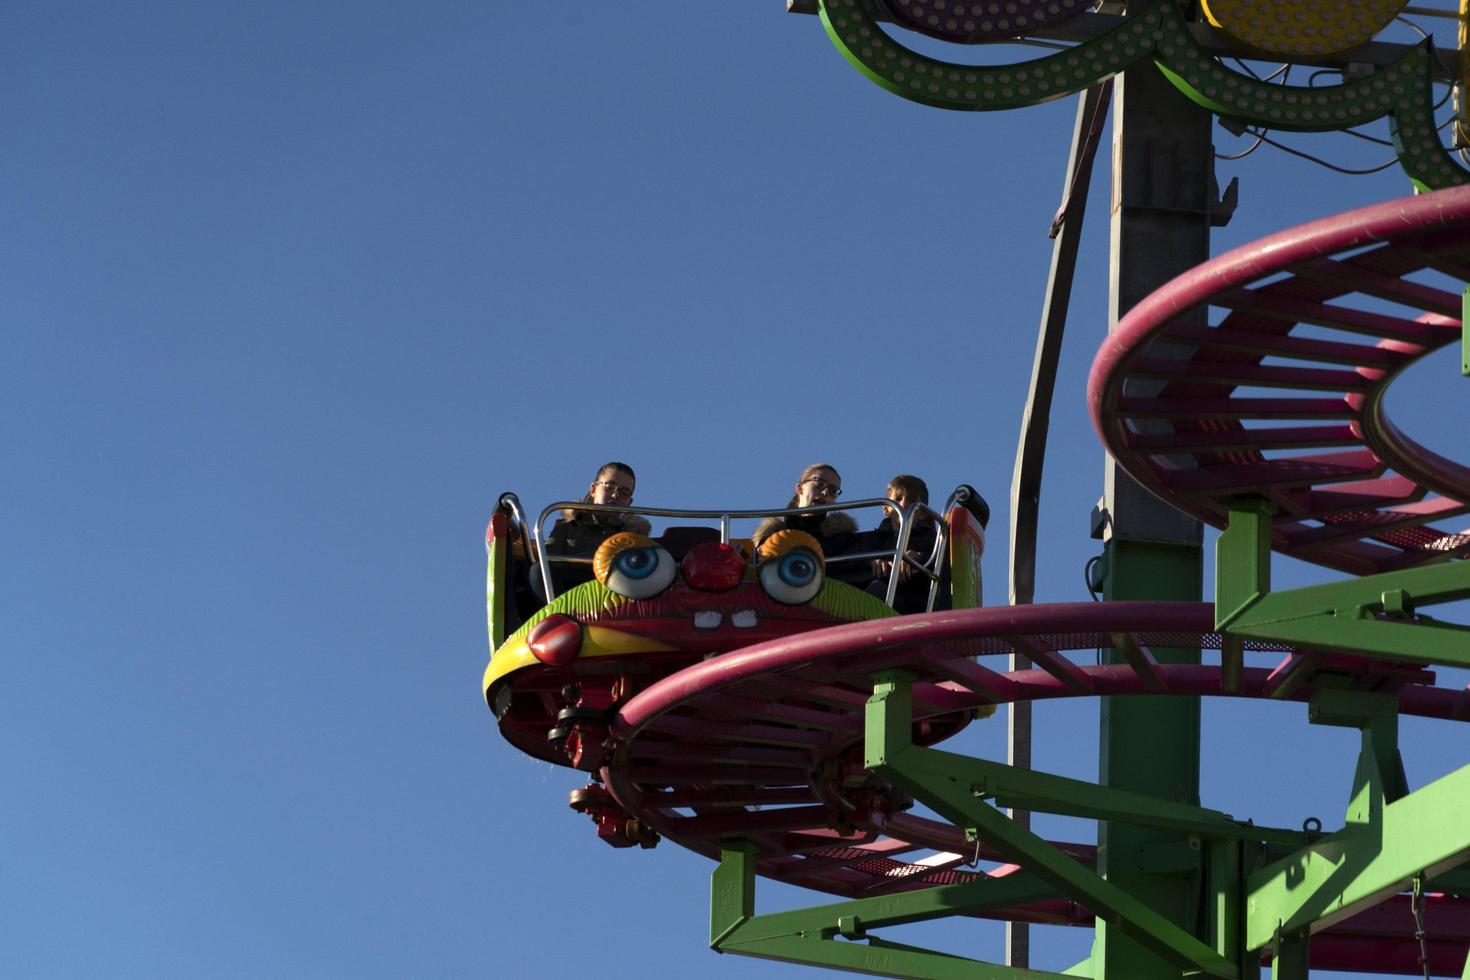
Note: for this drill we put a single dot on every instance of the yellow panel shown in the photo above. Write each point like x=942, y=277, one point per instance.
x=1302, y=27
x=601, y=641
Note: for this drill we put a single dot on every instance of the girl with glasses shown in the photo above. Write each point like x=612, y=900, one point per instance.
x=819, y=483
x=579, y=532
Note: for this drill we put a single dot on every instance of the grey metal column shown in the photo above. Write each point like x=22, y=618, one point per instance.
x=1161, y=201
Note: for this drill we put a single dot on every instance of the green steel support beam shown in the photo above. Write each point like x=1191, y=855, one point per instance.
x=855, y=918
x=836, y=935
x=1289, y=958
x=1225, y=902
x=1338, y=615
x=1243, y=558
x=1379, y=777
x=1226, y=894
x=1341, y=615
x=1375, y=855
x=877, y=957
x=1465, y=335
x=915, y=771
x=1028, y=789
x=932, y=777
x=1232, y=664
x=1359, y=866
x=1403, y=590
x=731, y=891
x=893, y=698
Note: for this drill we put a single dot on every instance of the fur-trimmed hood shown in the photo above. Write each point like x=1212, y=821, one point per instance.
x=834, y=523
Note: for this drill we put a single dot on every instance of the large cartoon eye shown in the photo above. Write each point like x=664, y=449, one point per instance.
x=791, y=567
x=634, y=566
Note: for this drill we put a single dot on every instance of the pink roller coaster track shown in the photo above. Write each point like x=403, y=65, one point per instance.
x=1320, y=319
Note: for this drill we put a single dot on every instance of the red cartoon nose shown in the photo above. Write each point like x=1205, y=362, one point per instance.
x=713, y=567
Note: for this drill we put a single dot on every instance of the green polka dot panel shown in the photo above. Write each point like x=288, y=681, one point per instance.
x=1156, y=29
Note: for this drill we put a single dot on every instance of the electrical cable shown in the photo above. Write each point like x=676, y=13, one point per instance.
x=1362, y=136
x=1087, y=576
x=1243, y=153
x=1262, y=137
x=1318, y=160
x=1284, y=71
x=1247, y=69
x=1415, y=27
x=1365, y=137
x=1033, y=42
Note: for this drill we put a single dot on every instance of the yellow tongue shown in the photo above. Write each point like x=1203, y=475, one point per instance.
x=600, y=640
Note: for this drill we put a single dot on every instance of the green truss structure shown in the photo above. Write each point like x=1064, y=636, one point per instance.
x=1266, y=889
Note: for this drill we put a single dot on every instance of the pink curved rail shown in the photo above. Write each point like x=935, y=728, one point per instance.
x=1283, y=396
x=764, y=744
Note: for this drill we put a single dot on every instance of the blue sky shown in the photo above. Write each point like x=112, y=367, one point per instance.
x=290, y=293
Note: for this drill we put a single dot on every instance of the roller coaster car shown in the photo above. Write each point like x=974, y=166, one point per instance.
x=657, y=604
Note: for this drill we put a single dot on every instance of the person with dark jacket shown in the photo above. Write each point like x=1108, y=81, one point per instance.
x=578, y=533
x=913, y=585
x=835, y=531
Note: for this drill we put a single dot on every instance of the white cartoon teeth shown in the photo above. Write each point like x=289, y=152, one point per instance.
x=708, y=619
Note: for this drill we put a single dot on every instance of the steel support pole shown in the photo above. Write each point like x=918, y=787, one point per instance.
x=1092, y=109
x=1162, y=194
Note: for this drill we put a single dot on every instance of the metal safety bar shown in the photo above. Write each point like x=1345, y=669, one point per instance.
x=929, y=566
x=510, y=503
x=898, y=554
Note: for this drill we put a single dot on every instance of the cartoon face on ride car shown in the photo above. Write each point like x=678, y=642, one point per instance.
x=643, y=601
